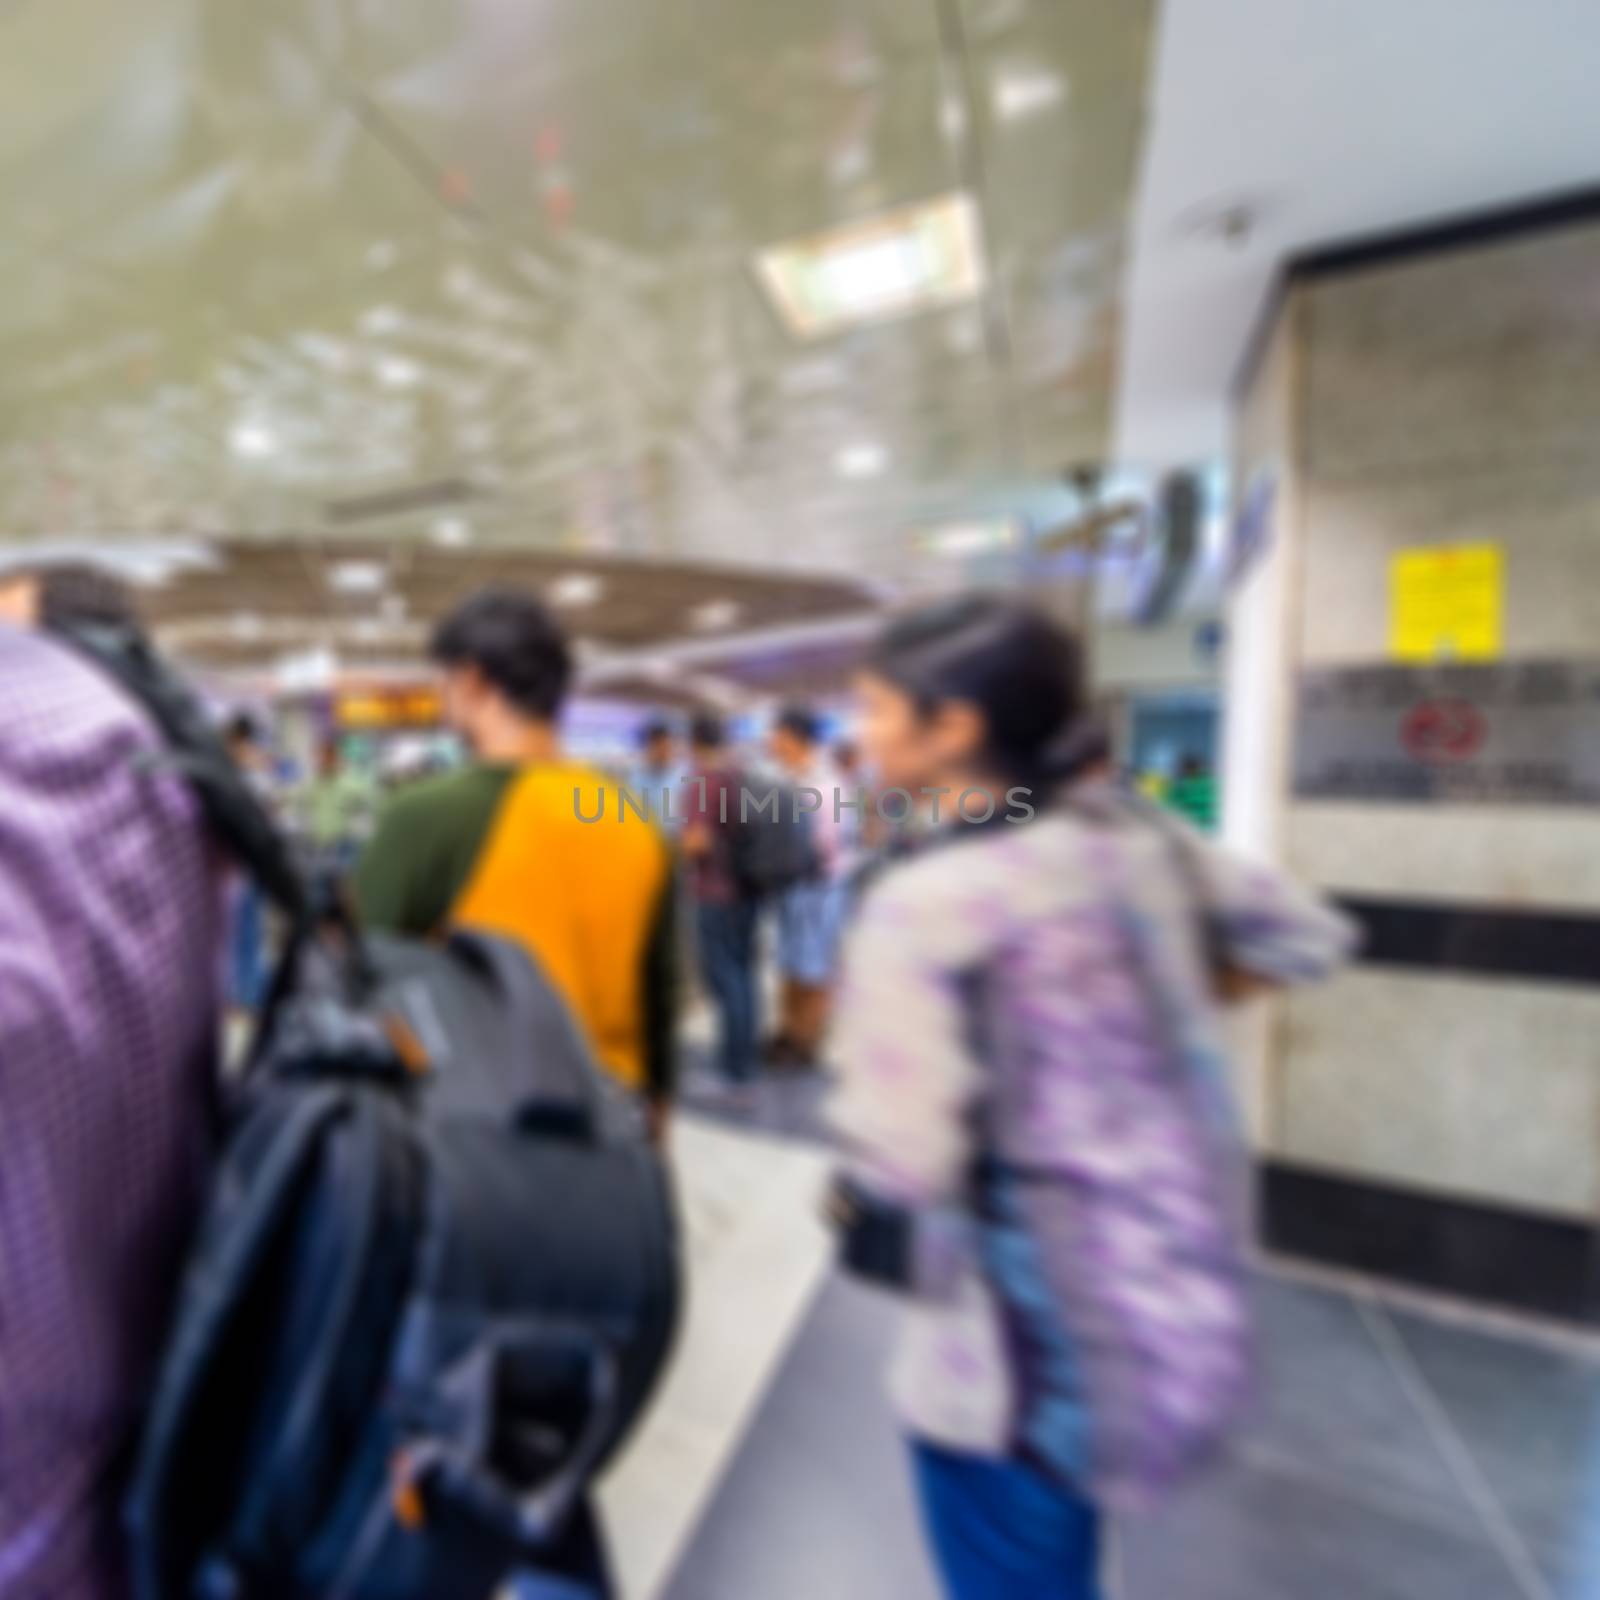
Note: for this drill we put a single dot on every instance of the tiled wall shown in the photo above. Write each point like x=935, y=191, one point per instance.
x=1438, y=398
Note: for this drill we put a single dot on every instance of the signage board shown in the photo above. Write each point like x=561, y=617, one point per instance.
x=1496, y=733
x=1446, y=602
x=387, y=708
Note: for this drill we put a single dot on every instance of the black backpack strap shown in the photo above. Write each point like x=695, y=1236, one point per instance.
x=234, y=813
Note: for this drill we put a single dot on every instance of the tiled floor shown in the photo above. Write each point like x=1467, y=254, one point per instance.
x=757, y=1252
x=1394, y=1457
x=1396, y=1454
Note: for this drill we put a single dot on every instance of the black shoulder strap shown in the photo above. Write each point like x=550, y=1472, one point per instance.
x=234, y=813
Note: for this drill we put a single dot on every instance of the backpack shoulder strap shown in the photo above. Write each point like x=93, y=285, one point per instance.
x=232, y=810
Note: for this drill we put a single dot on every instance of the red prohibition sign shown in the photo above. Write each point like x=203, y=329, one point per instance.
x=1442, y=731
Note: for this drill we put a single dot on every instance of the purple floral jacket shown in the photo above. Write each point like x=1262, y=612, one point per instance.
x=1031, y=1056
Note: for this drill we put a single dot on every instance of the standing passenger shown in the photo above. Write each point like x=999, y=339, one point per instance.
x=1033, y=1104
x=725, y=913
x=533, y=846
x=109, y=918
x=809, y=914
x=657, y=780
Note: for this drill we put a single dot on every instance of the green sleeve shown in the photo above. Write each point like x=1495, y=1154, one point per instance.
x=423, y=851
x=661, y=993
x=397, y=889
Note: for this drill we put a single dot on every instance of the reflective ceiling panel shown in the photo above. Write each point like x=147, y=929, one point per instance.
x=263, y=262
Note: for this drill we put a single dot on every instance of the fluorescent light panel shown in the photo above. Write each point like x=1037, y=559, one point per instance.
x=895, y=265
x=864, y=459
x=357, y=577
x=576, y=589
x=958, y=539
x=451, y=531
x=714, y=615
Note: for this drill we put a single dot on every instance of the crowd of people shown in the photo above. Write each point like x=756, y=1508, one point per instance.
x=1018, y=996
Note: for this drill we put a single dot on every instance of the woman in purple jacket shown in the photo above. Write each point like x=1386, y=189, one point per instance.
x=1033, y=1102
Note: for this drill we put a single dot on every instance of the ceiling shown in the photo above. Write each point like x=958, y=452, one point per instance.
x=1327, y=119
x=314, y=269
x=374, y=605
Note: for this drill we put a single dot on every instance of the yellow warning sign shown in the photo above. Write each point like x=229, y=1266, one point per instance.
x=1446, y=602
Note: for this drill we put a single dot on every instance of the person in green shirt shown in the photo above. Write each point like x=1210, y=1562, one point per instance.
x=335, y=807
x=1193, y=793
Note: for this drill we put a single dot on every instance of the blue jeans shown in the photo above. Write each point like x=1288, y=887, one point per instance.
x=247, y=948
x=1002, y=1531
x=727, y=939
x=809, y=919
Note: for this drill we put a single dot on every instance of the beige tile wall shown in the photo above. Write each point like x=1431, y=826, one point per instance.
x=1480, y=1088
x=1441, y=399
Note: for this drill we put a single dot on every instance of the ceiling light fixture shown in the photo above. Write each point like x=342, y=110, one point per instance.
x=576, y=589
x=958, y=539
x=897, y=264
x=863, y=460
x=715, y=615
x=252, y=440
x=452, y=531
x=952, y=117
x=381, y=320
x=1022, y=92
x=397, y=372
x=357, y=577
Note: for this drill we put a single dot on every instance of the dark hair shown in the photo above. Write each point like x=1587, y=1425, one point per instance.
x=801, y=721
x=78, y=594
x=706, y=731
x=656, y=728
x=515, y=643
x=240, y=728
x=1021, y=668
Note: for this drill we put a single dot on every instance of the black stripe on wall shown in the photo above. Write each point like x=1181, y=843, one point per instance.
x=1548, y=1266
x=1574, y=208
x=1439, y=936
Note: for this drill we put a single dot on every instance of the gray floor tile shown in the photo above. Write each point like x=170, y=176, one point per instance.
x=817, y=1504
x=1529, y=1416
x=1338, y=1491
x=788, y=1103
x=1249, y=1535
x=1333, y=1408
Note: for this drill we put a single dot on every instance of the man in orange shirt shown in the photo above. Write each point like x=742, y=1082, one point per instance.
x=533, y=846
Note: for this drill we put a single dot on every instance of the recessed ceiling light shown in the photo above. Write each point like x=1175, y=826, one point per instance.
x=1021, y=92
x=397, y=372
x=715, y=615
x=357, y=577
x=252, y=440
x=305, y=671
x=451, y=531
x=952, y=117
x=576, y=589
x=863, y=460
x=245, y=625
x=901, y=262
x=379, y=320
x=968, y=538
